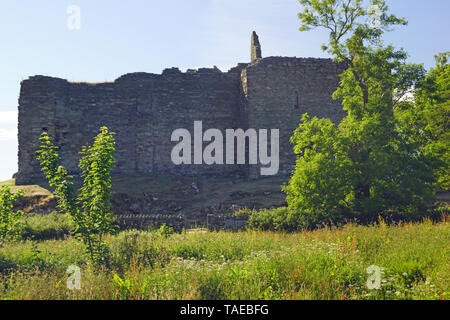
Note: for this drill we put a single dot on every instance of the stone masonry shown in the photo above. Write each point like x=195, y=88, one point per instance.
x=144, y=109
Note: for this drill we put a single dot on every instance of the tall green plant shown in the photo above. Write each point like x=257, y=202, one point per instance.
x=90, y=210
x=10, y=226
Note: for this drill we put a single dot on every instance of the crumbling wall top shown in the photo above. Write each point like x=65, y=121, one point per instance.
x=255, y=48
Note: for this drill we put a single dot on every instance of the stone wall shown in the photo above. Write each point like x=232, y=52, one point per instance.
x=280, y=90
x=144, y=109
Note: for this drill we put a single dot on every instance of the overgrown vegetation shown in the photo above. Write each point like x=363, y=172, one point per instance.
x=10, y=226
x=426, y=118
x=390, y=154
x=323, y=264
x=289, y=220
x=46, y=227
x=90, y=210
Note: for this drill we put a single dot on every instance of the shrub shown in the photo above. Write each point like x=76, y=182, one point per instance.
x=91, y=209
x=279, y=219
x=165, y=231
x=10, y=225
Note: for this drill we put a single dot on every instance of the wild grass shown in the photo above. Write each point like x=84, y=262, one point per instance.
x=10, y=182
x=321, y=264
x=46, y=227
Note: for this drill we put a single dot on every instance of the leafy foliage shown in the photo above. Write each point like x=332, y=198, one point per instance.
x=279, y=219
x=91, y=209
x=364, y=167
x=57, y=176
x=10, y=225
x=426, y=118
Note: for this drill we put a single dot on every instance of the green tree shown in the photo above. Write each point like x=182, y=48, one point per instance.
x=95, y=195
x=426, y=118
x=10, y=226
x=90, y=210
x=363, y=167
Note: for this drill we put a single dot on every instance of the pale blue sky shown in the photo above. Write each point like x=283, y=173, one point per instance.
x=118, y=37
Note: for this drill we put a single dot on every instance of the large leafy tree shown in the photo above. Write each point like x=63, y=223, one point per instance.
x=363, y=167
x=426, y=118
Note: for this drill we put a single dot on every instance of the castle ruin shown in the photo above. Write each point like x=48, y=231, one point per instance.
x=143, y=109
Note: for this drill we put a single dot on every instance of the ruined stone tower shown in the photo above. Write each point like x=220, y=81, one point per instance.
x=255, y=48
x=144, y=109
